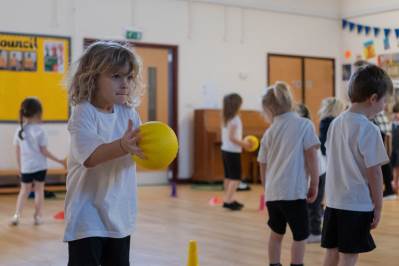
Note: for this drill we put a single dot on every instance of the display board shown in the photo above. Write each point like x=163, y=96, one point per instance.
x=33, y=65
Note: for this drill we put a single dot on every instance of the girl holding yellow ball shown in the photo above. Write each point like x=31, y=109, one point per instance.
x=100, y=204
x=232, y=144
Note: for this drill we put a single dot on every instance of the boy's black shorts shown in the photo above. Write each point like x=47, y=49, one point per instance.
x=291, y=212
x=348, y=231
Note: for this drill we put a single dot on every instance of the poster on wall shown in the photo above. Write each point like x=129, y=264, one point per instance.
x=33, y=65
x=369, y=49
x=390, y=63
x=54, y=56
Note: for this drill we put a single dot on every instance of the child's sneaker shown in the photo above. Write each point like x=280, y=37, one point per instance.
x=231, y=206
x=15, y=220
x=239, y=204
x=37, y=220
x=313, y=239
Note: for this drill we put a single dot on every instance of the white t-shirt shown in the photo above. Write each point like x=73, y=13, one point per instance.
x=282, y=150
x=353, y=145
x=227, y=145
x=32, y=160
x=100, y=201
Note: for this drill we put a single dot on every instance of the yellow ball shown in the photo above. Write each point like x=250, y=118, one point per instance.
x=254, y=140
x=158, y=143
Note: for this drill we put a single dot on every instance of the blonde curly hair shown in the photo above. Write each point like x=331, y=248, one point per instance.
x=104, y=57
x=331, y=106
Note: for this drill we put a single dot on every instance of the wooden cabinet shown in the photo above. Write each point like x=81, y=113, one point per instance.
x=208, y=165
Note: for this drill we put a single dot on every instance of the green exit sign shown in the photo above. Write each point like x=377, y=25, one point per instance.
x=134, y=35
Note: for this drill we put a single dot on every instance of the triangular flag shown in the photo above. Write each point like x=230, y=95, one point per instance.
x=344, y=23
x=351, y=26
x=359, y=28
x=367, y=29
x=387, y=32
x=376, y=31
x=397, y=33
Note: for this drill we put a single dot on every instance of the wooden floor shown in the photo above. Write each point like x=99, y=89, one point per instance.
x=165, y=226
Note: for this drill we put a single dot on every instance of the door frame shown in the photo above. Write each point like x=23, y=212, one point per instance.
x=302, y=57
x=175, y=86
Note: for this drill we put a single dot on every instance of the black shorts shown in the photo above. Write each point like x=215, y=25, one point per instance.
x=348, y=231
x=293, y=212
x=39, y=176
x=94, y=251
x=232, y=165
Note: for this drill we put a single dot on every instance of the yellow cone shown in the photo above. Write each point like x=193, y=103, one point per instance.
x=192, y=254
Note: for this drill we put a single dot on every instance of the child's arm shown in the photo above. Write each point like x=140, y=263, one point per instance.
x=49, y=155
x=243, y=144
x=263, y=169
x=374, y=175
x=120, y=147
x=312, y=163
x=18, y=154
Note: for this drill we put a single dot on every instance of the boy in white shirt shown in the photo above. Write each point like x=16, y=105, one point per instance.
x=355, y=153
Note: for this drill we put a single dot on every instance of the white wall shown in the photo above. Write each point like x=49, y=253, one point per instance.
x=371, y=13
x=210, y=52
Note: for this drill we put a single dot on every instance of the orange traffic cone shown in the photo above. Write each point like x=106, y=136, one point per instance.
x=214, y=201
x=192, y=254
x=59, y=215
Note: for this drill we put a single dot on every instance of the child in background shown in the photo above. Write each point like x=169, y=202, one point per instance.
x=30, y=141
x=287, y=157
x=232, y=145
x=395, y=146
x=355, y=153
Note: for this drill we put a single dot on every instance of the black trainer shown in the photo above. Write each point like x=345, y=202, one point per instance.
x=238, y=204
x=231, y=206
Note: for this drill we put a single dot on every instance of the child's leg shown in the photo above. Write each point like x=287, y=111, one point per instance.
x=298, y=252
x=347, y=259
x=232, y=190
x=331, y=258
x=315, y=210
x=226, y=184
x=22, y=196
x=396, y=179
x=387, y=177
x=274, y=248
x=39, y=198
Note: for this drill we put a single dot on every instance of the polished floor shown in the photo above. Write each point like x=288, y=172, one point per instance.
x=165, y=225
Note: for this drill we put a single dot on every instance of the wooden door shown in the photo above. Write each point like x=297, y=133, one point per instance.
x=319, y=84
x=155, y=101
x=289, y=70
x=311, y=79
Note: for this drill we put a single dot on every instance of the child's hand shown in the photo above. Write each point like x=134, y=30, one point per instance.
x=64, y=162
x=376, y=219
x=248, y=144
x=312, y=193
x=129, y=141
